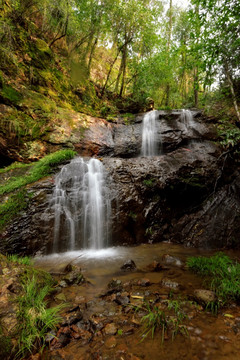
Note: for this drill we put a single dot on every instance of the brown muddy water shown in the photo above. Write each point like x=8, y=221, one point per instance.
x=111, y=328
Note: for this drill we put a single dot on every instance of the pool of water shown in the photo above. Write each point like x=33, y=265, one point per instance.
x=210, y=337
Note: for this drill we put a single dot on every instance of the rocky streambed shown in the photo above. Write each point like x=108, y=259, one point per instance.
x=103, y=318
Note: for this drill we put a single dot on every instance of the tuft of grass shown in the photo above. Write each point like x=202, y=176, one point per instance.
x=35, y=318
x=12, y=206
x=15, y=165
x=157, y=319
x=5, y=345
x=221, y=274
x=39, y=170
x=25, y=260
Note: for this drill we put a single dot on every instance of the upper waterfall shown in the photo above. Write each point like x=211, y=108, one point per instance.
x=187, y=118
x=149, y=134
x=82, y=206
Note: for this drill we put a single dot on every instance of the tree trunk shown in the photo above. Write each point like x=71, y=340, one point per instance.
x=119, y=75
x=230, y=83
x=196, y=87
x=168, y=50
x=109, y=72
x=124, y=69
x=92, y=52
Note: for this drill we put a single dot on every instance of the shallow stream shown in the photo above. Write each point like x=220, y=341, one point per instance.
x=210, y=337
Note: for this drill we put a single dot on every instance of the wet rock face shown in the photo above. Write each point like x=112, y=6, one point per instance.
x=154, y=193
x=32, y=231
x=180, y=196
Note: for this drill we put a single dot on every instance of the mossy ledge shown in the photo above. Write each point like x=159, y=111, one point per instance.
x=15, y=186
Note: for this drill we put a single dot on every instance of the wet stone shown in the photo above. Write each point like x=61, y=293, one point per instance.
x=170, y=284
x=204, y=297
x=110, y=329
x=60, y=342
x=144, y=282
x=156, y=266
x=74, y=277
x=50, y=336
x=171, y=260
x=128, y=265
x=63, y=284
x=72, y=318
x=114, y=283
x=122, y=300
x=60, y=297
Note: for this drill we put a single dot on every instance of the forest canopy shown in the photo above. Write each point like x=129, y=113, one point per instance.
x=179, y=56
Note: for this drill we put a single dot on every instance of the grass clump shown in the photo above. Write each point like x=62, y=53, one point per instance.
x=25, y=260
x=164, y=320
x=5, y=345
x=35, y=318
x=13, y=166
x=12, y=206
x=40, y=169
x=222, y=275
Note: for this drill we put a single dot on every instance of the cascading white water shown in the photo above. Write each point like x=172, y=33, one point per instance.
x=187, y=118
x=149, y=134
x=82, y=206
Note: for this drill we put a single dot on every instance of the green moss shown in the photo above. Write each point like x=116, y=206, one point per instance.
x=193, y=182
x=1, y=80
x=128, y=118
x=9, y=93
x=15, y=165
x=42, y=46
x=149, y=182
x=5, y=345
x=40, y=169
x=13, y=205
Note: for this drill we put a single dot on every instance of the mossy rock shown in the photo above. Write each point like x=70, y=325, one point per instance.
x=5, y=346
x=42, y=46
x=1, y=80
x=10, y=95
x=41, y=54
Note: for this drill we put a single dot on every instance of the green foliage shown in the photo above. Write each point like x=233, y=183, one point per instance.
x=5, y=345
x=230, y=135
x=40, y=169
x=132, y=215
x=18, y=201
x=157, y=319
x=149, y=182
x=222, y=275
x=15, y=165
x=9, y=93
x=25, y=260
x=34, y=317
x=12, y=206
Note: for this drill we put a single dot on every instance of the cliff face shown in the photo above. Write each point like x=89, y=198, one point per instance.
x=188, y=194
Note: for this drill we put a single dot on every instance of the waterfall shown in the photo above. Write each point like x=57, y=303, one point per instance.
x=149, y=134
x=82, y=206
x=187, y=118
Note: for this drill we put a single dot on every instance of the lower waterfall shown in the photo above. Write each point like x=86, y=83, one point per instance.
x=82, y=206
